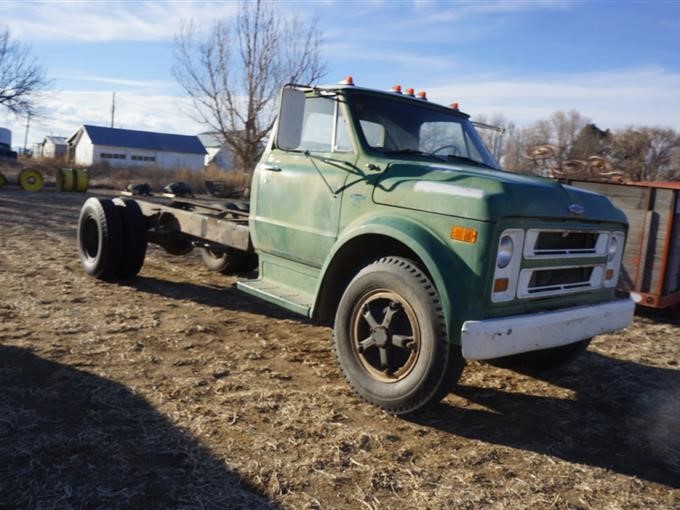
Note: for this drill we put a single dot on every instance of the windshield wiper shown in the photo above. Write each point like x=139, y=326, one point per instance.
x=404, y=151
x=416, y=152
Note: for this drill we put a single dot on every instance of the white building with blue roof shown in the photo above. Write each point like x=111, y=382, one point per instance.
x=91, y=145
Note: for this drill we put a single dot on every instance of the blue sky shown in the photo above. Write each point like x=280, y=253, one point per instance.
x=617, y=63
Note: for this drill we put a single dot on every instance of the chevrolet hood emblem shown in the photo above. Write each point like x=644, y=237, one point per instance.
x=576, y=209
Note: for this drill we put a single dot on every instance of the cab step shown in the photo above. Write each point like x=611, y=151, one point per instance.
x=278, y=294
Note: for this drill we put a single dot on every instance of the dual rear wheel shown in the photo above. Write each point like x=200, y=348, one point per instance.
x=111, y=238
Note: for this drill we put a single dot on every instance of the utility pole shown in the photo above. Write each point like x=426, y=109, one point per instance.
x=28, y=123
x=113, y=108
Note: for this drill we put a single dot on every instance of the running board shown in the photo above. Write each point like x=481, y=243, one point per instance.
x=277, y=293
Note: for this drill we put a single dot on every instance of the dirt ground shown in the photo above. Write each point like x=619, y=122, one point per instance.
x=177, y=391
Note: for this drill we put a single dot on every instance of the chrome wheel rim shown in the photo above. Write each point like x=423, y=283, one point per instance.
x=385, y=335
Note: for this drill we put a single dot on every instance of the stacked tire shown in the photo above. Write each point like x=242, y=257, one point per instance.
x=31, y=179
x=111, y=238
x=72, y=179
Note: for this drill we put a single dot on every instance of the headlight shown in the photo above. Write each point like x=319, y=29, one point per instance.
x=504, y=252
x=613, y=248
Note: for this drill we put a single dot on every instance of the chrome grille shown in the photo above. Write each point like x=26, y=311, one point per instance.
x=564, y=243
x=558, y=280
x=567, y=248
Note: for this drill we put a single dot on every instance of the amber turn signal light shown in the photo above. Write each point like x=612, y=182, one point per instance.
x=500, y=285
x=465, y=234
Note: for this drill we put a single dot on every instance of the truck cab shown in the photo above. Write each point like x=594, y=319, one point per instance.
x=522, y=266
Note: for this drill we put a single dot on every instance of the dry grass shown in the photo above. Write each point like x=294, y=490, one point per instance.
x=11, y=169
x=102, y=176
x=175, y=390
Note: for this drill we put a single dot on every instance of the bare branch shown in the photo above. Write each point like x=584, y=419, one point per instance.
x=234, y=73
x=21, y=77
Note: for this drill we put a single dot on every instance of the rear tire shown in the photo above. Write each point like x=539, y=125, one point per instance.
x=100, y=238
x=134, y=238
x=229, y=261
x=390, y=338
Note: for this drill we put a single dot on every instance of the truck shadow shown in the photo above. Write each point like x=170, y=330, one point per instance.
x=71, y=439
x=227, y=297
x=666, y=316
x=623, y=417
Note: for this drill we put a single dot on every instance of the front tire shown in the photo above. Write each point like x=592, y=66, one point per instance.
x=390, y=338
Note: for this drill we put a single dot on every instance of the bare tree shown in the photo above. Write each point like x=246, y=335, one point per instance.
x=568, y=143
x=234, y=73
x=492, y=131
x=21, y=77
x=646, y=154
x=559, y=130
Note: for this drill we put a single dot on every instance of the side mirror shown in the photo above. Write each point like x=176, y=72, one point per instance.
x=291, y=113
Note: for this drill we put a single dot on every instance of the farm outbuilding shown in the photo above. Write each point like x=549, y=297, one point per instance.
x=53, y=147
x=218, y=153
x=126, y=147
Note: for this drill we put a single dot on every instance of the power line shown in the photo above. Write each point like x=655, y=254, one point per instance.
x=113, y=108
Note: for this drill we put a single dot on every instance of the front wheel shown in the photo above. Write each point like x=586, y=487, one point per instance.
x=390, y=338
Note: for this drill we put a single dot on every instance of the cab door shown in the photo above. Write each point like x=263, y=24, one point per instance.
x=299, y=192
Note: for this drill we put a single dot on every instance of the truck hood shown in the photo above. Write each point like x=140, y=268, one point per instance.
x=487, y=195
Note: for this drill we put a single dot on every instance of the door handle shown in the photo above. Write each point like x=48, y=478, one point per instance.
x=271, y=168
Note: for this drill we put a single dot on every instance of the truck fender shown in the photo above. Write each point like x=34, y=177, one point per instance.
x=438, y=258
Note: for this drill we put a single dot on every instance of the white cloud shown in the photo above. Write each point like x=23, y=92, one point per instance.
x=68, y=110
x=612, y=99
x=410, y=59
x=82, y=76
x=106, y=21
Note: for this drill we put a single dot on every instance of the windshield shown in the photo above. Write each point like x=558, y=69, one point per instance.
x=394, y=127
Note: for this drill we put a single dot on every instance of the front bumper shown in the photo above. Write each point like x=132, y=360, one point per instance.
x=495, y=338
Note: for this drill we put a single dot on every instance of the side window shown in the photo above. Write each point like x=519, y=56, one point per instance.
x=342, y=140
x=317, y=125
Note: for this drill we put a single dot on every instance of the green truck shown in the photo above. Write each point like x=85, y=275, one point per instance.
x=385, y=215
